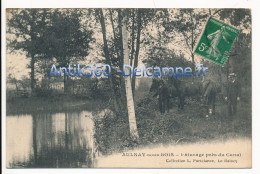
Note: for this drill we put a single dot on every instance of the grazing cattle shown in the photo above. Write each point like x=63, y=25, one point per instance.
x=178, y=90
x=186, y=89
x=193, y=90
x=171, y=88
x=209, y=91
x=160, y=88
x=167, y=89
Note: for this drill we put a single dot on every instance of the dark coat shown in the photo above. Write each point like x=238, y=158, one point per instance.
x=233, y=91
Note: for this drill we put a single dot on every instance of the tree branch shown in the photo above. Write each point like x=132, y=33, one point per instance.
x=186, y=41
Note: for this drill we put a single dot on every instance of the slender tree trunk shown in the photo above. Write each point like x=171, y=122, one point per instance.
x=139, y=23
x=192, y=44
x=119, y=54
x=129, y=95
x=102, y=22
x=121, y=42
x=113, y=26
x=103, y=26
x=193, y=62
x=121, y=57
x=16, y=85
x=133, y=38
x=32, y=74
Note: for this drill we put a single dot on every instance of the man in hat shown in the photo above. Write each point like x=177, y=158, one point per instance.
x=233, y=94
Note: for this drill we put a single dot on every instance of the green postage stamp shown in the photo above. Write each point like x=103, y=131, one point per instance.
x=216, y=41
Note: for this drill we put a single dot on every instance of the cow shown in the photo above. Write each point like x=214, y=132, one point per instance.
x=160, y=88
x=193, y=90
x=177, y=90
x=166, y=89
x=209, y=92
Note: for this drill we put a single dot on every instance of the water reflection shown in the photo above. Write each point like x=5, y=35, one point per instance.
x=50, y=140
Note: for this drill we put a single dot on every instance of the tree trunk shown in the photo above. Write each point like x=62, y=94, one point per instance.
x=32, y=74
x=64, y=84
x=103, y=26
x=120, y=59
x=139, y=23
x=193, y=62
x=133, y=38
x=192, y=44
x=129, y=95
x=105, y=48
x=113, y=27
x=121, y=62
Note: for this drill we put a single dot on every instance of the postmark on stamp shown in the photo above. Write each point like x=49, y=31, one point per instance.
x=216, y=41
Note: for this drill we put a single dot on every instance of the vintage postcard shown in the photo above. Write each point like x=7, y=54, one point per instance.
x=128, y=88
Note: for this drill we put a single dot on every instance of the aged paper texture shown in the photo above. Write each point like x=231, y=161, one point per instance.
x=123, y=88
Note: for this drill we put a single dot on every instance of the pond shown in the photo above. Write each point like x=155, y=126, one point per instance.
x=50, y=140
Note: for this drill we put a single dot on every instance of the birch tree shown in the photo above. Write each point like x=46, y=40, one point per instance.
x=128, y=87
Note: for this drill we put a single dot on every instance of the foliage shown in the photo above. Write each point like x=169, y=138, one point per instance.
x=49, y=34
x=66, y=38
x=158, y=37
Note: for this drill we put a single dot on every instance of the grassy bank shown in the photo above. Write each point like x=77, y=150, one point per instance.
x=176, y=127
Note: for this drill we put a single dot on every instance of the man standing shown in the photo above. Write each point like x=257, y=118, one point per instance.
x=233, y=94
x=209, y=96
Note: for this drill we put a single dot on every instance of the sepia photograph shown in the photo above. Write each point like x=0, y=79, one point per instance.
x=128, y=88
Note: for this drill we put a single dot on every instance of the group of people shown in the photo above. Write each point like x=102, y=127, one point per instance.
x=208, y=94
